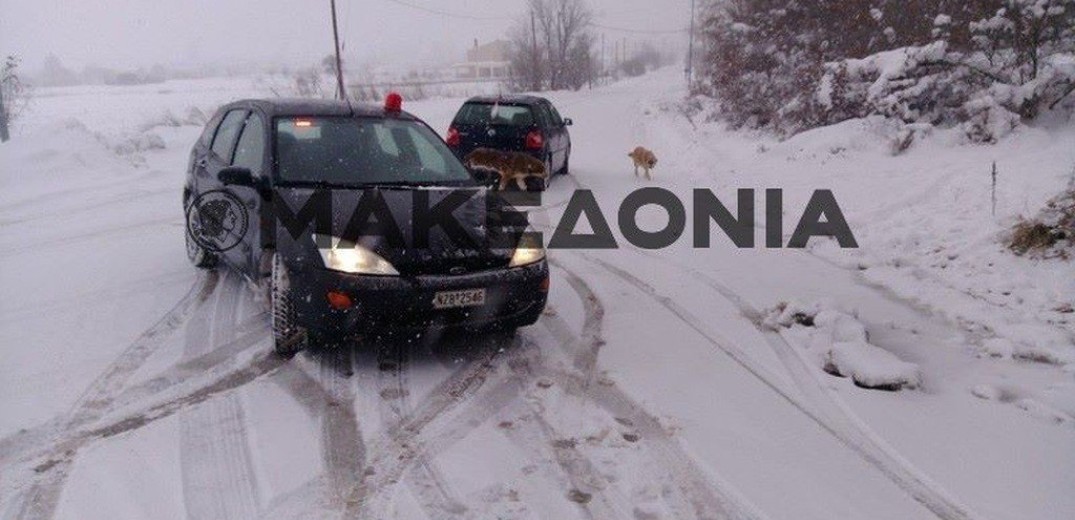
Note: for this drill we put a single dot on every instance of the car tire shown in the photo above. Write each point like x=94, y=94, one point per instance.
x=198, y=255
x=566, y=170
x=288, y=337
x=549, y=171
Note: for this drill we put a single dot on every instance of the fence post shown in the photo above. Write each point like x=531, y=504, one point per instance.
x=994, y=189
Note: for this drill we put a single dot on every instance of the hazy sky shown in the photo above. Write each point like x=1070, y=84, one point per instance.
x=131, y=33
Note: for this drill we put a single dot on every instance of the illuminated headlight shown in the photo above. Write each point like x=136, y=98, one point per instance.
x=353, y=259
x=528, y=251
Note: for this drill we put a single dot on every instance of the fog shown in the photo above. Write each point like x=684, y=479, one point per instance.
x=143, y=33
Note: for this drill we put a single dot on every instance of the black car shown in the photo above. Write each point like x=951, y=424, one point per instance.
x=515, y=123
x=274, y=191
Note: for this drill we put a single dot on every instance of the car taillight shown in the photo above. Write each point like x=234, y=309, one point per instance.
x=534, y=140
x=453, y=137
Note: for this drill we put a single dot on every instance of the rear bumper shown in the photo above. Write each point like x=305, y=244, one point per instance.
x=514, y=297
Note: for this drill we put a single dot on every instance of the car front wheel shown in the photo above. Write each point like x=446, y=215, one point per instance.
x=198, y=255
x=288, y=337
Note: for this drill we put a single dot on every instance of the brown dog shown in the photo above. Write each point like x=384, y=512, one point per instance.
x=510, y=166
x=643, y=158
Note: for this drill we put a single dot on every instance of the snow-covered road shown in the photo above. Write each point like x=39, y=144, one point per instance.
x=653, y=387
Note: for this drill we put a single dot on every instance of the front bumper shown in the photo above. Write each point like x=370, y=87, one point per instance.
x=514, y=297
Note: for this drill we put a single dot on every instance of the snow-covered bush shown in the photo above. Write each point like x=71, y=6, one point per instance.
x=840, y=345
x=1049, y=235
x=794, y=65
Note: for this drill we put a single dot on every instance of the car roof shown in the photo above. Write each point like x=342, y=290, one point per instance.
x=513, y=99
x=284, y=107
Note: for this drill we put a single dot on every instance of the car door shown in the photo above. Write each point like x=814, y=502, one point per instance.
x=216, y=205
x=561, y=140
x=199, y=159
x=251, y=153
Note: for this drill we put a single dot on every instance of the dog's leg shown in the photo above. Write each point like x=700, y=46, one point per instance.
x=636, y=170
x=503, y=182
x=648, y=178
x=521, y=183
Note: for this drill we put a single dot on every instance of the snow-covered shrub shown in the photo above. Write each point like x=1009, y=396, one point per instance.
x=793, y=65
x=839, y=344
x=1049, y=235
x=194, y=116
x=136, y=144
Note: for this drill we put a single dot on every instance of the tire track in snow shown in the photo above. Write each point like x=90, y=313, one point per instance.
x=533, y=432
x=424, y=434
x=110, y=202
x=431, y=489
x=396, y=452
x=330, y=401
x=42, y=497
x=343, y=451
x=89, y=235
x=217, y=471
x=707, y=495
x=827, y=410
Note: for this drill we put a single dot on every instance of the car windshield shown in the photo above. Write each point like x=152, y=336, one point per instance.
x=350, y=151
x=494, y=114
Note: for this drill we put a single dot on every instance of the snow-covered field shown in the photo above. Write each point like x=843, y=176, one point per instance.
x=679, y=383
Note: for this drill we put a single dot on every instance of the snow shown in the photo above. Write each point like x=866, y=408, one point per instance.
x=653, y=388
x=840, y=344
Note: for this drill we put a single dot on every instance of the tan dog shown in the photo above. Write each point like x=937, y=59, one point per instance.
x=643, y=158
x=510, y=166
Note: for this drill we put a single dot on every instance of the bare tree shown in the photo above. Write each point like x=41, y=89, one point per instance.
x=13, y=96
x=552, y=45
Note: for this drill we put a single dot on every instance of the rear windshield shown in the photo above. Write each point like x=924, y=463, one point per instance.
x=347, y=151
x=494, y=114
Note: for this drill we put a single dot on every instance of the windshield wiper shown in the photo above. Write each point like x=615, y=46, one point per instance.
x=397, y=184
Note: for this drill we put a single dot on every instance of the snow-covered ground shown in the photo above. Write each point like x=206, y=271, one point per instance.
x=672, y=384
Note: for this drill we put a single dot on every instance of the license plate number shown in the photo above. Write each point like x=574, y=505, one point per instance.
x=457, y=299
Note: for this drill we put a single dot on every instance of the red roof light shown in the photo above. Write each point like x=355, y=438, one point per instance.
x=393, y=102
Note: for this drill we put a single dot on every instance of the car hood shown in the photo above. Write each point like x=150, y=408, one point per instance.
x=445, y=250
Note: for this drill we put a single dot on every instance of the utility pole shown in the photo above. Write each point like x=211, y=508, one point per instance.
x=604, y=65
x=535, y=84
x=340, y=92
x=3, y=116
x=690, y=51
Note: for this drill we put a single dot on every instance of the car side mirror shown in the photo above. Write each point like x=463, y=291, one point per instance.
x=568, y=122
x=237, y=176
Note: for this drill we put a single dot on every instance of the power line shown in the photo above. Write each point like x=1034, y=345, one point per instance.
x=463, y=16
x=450, y=14
x=637, y=31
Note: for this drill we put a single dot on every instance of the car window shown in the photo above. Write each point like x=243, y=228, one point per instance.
x=227, y=134
x=544, y=119
x=347, y=151
x=428, y=155
x=556, y=119
x=250, y=153
x=206, y=138
x=494, y=114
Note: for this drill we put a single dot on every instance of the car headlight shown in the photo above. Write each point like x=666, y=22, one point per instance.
x=528, y=251
x=353, y=259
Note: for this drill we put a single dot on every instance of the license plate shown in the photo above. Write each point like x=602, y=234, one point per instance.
x=457, y=299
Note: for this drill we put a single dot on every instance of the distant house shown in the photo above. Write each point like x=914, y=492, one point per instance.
x=488, y=61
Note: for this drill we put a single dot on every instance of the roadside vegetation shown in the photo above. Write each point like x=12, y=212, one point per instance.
x=14, y=94
x=1050, y=234
x=984, y=66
